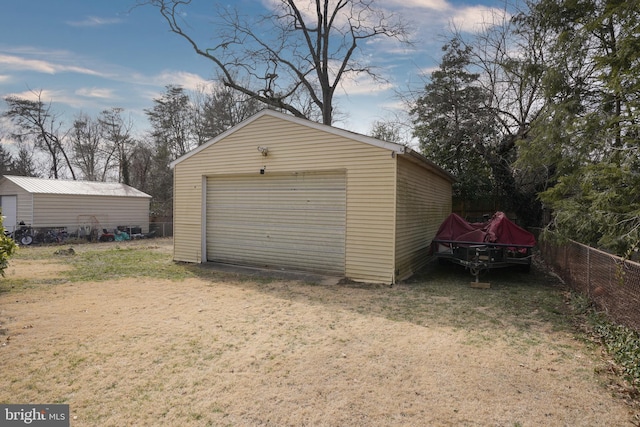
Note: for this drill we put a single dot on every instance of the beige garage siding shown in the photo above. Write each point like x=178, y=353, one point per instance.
x=424, y=201
x=294, y=221
x=370, y=186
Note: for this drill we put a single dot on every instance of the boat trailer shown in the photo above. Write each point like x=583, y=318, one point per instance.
x=479, y=258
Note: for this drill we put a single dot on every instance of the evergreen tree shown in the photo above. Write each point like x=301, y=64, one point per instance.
x=588, y=134
x=453, y=125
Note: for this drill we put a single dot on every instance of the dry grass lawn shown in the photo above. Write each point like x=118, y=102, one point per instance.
x=182, y=345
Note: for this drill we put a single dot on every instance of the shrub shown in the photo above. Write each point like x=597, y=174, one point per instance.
x=7, y=248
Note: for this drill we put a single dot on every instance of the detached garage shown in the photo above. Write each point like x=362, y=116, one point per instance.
x=277, y=191
x=77, y=206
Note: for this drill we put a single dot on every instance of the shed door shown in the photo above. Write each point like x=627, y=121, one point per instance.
x=9, y=206
x=294, y=221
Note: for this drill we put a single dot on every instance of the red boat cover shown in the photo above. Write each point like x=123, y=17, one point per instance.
x=499, y=229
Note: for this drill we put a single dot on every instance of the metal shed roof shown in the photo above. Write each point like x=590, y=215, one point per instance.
x=79, y=188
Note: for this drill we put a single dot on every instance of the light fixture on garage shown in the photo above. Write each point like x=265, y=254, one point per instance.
x=264, y=151
x=263, y=169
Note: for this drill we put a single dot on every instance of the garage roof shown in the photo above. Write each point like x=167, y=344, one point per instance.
x=69, y=187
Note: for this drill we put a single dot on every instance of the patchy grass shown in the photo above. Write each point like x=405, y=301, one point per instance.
x=515, y=299
x=123, y=262
x=516, y=308
x=93, y=263
x=126, y=336
x=517, y=304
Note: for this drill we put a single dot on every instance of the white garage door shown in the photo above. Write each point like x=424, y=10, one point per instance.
x=294, y=221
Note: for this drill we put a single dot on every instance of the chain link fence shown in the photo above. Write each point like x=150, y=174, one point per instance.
x=161, y=229
x=609, y=281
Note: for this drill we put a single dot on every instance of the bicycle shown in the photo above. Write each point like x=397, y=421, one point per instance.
x=23, y=235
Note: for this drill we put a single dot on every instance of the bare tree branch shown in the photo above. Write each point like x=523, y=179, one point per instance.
x=274, y=58
x=36, y=120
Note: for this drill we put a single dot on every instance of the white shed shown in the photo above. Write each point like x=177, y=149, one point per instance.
x=282, y=192
x=77, y=206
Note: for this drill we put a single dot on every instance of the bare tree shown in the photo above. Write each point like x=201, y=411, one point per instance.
x=141, y=167
x=172, y=121
x=510, y=52
x=37, y=122
x=510, y=56
x=91, y=154
x=301, y=52
x=117, y=131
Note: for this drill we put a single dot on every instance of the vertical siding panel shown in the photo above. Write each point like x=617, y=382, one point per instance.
x=424, y=201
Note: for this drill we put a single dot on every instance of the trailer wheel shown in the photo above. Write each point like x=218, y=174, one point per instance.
x=26, y=240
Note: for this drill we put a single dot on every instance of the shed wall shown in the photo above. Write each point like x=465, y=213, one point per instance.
x=424, y=201
x=73, y=211
x=370, y=183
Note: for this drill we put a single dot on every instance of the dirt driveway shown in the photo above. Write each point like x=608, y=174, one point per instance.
x=222, y=350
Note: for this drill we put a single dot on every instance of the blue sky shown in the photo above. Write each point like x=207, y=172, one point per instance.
x=91, y=55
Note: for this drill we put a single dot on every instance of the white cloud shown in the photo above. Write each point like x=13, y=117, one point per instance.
x=77, y=100
x=433, y=13
x=46, y=96
x=439, y=5
x=477, y=18
x=185, y=79
x=94, y=21
x=150, y=87
x=18, y=63
x=23, y=64
x=363, y=85
x=427, y=71
x=101, y=93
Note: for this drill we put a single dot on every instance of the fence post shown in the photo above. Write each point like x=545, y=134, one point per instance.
x=565, y=261
x=589, y=272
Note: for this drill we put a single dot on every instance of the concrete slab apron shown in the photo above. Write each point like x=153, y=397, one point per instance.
x=278, y=274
